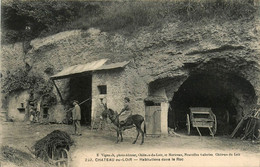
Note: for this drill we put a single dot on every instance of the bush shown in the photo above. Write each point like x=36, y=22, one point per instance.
x=21, y=79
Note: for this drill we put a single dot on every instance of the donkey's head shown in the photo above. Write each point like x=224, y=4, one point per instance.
x=104, y=114
x=107, y=113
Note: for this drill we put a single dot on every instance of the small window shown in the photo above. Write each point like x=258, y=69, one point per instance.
x=102, y=89
x=21, y=109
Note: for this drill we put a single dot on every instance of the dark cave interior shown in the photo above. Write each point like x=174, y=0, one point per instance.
x=80, y=90
x=227, y=96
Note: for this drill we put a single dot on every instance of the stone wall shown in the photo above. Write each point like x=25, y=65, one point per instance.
x=15, y=101
x=114, y=81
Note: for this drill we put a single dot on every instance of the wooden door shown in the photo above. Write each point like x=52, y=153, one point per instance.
x=153, y=120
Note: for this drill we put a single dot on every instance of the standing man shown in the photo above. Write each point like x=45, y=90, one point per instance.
x=76, y=116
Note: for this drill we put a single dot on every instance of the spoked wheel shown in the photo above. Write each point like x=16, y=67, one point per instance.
x=188, y=124
x=214, y=128
x=62, y=159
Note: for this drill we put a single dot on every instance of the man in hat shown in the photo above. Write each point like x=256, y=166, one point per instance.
x=76, y=116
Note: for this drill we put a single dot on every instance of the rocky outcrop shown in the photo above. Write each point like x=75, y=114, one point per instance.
x=172, y=53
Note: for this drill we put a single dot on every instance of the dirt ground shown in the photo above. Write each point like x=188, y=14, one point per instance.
x=88, y=148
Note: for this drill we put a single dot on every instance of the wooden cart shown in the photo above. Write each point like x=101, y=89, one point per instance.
x=201, y=117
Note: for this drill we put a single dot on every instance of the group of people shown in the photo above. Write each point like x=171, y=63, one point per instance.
x=123, y=115
x=34, y=113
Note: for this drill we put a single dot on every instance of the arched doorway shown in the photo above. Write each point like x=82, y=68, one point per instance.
x=229, y=97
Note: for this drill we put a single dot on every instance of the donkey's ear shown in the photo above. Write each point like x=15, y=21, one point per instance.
x=104, y=114
x=111, y=111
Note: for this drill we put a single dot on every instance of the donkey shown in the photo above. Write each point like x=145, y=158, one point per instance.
x=136, y=121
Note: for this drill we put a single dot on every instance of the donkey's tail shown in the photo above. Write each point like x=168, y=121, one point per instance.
x=144, y=128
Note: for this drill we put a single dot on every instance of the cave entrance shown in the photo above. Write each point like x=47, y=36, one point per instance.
x=228, y=96
x=80, y=89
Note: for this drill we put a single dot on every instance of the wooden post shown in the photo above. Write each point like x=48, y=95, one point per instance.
x=164, y=118
x=58, y=91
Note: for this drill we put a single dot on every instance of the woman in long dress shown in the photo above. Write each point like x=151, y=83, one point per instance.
x=125, y=113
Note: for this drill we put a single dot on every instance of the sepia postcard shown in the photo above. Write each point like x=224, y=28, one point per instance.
x=130, y=83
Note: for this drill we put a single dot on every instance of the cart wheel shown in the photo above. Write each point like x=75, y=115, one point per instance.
x=64, y=158
x=214, y=128
x=188, y=124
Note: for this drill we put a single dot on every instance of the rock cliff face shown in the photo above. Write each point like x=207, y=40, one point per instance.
x=213, y=63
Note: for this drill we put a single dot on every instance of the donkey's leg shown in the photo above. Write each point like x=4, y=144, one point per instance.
x=117, y=135
x=136, y=135
x=142, y=135
x=121, y=135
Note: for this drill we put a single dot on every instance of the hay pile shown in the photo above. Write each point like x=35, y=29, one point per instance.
x=51, y=144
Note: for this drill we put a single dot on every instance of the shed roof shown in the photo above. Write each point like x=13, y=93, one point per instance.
x=89, y=67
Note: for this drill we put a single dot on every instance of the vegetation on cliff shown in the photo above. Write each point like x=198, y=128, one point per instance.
x=48, y=17
x=23, y=79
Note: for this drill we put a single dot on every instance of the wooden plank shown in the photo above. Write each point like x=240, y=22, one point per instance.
x=200, y=112
x=203, y=119
x=237, y=127
x=153, y=120
x=148, y=120
x=157, y=121
x=202, y=126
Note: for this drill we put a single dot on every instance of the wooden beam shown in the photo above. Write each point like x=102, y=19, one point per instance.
x=58, y=90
